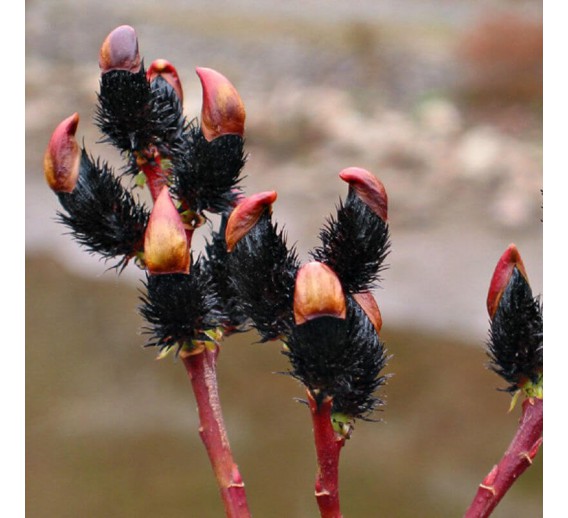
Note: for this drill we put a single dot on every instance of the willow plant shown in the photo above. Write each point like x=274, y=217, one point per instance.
x=323, y=312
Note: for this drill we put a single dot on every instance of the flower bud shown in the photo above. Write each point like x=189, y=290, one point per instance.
x=223, y=111
x=119, y=51
x=164, y=69
x=510, y=260
x=369, y=305
x=166, y=248
x=245, y=215
x=318, y=293
x=368, y=188
x=62, y=157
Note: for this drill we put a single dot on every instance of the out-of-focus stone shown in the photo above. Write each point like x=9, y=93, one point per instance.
x=478, y=154
x=440, y=118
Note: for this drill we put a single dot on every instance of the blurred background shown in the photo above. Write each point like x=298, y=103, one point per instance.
x=443, y=102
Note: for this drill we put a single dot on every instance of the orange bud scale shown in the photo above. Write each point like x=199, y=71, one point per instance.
x=370, y=307
x=62, y=157
x=245, y=216
x=223, y=111
x=318, y=292
x=368, y=188
x=166, y=248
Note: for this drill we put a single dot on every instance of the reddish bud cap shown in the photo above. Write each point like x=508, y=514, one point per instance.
x=245, y=215
x=62, y=157
x=318, y=293
x=163, y=68
x=119, y=51
x=510, y=260
x=166, y=248
x=222, y=111
x=371, y=308
x=368, y=188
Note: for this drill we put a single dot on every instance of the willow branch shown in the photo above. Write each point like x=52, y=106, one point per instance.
x=517, y=459
x=202, y=372
x=328, y=447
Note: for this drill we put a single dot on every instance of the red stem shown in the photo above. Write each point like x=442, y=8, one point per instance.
x=516, y=460
x=202, y=372
x=156, y=177
x=328, y=447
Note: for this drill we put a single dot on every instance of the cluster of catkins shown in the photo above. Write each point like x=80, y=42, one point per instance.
x=247, y=276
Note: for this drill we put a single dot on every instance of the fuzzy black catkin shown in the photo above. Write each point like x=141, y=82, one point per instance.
x=263, y=273
x=102, y=215
x=354, y=244
x=341, y=358
x=515, y=346
x=134, y=114
x=124, y=111
x=206, y=175
x=168, y=114
x=179, y=308
x=217, y=261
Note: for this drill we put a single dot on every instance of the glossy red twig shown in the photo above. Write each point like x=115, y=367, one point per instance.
x=150, y=163
x=328, y=447
x=517, y=459
x=202, y=372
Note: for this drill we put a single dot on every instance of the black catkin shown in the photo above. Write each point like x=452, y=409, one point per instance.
x=167, y=112
x=135, y=116
x=179, y=308
x=341, y=358
x=515, y=345
x=263, y=273
x=124, y=110
x=354, y=244
x=217, y=261
x=102, y=215
x=206, y=175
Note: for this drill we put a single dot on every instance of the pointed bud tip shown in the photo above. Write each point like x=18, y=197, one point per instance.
x=166, y=248
x=245, y=216
x=62, y=157
x=164, y=69
x=119, y=51
x=318, y=292
x=368, y=188
x=510, y=260
x=222, y=111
